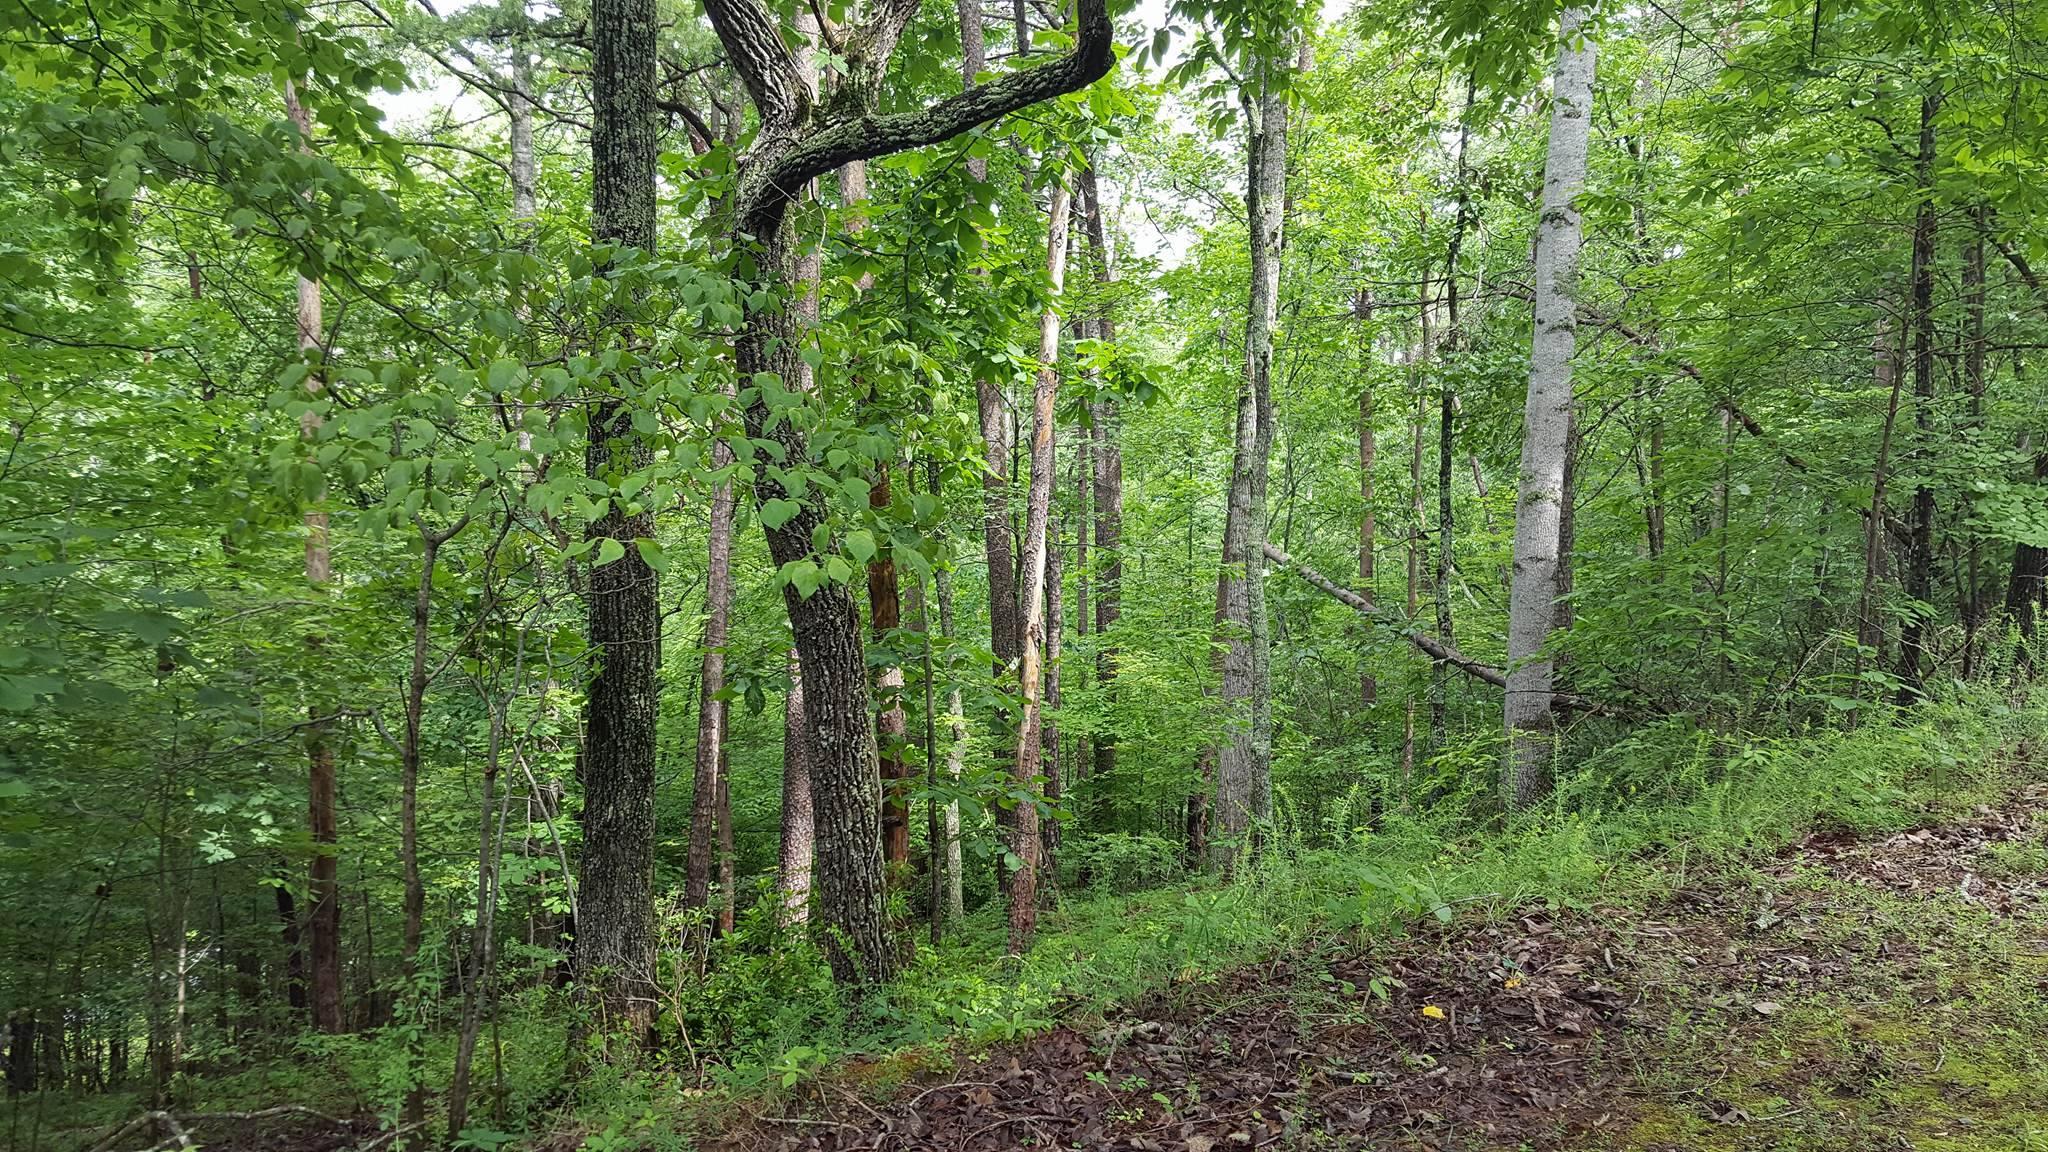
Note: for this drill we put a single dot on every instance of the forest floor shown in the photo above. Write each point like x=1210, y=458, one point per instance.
x=1887, y=993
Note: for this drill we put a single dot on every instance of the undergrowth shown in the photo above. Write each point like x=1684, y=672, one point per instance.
x=1642, y=814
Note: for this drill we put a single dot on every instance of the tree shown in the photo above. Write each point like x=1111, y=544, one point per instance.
x=1547, y=420
x=1244, y=768
x=798, y=139
x=615, y=920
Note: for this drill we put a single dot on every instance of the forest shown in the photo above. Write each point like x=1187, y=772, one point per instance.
x=589, y=575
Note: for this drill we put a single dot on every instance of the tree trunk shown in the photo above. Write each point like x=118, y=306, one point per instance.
x=956, y=756
x=793, y=867
x=797, y=140
x=1024, y=843
x=1547, y=422
x=846, y=788
x=1418, y=532
x=323, y=883
x=1244, y=755
x=892, y=725
x=728, y=895
x=482, y=949
x=615, y=916
x=409, y=807
x=1447, y=414
x=1973, y=377
x=711, y=709
x=1920, y=546
x=1084, y=479
x=1869, y=629
x=1368, y=450
x=1106, y=453
x=1049, y=739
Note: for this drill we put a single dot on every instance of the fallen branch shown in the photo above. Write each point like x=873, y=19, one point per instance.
x=174, y=1123
x=1435, y=648
x=1431, y=646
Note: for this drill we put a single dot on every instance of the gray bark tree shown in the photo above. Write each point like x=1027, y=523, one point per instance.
x=1244, y=755
x=1530, y=719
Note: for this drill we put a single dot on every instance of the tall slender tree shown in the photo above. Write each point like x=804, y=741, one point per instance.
x=1244, y=754
x=323, y=890
x=1546, y=419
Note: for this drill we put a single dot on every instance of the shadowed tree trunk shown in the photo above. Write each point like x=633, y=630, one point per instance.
x=793, y=869
x=1920, y=543
x=615, y=914
x=1973, y=378
x=797, y=140
x=323, y=889
x=1107, y=463
x=1546, y=438
x=1368, y=450
x=711, y=707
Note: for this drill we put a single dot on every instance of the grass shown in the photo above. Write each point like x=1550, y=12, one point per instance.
x=1650, y=812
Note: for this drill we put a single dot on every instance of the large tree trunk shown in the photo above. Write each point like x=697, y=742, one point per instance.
x=323, y=884
x=1920, y=544
x=615, y=914
x=846, y=787
x=1244, y=755
x=796, y=141
x=1024, y=842
x=1547, y=422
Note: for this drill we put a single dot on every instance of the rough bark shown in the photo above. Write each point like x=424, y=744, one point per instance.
x=614, y=954
x=793, y=867
x=1244, y=754
x=323, y=889
x=793, y=143
x=1530, y=719
x=1024, y=842
x=1920, y=544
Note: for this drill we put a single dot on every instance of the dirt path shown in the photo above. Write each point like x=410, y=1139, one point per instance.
x=1852, y=995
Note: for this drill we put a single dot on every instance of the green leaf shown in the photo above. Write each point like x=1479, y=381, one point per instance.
x=777, y=512
x=861, y=546
x=608, y=551
x=651, y=554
